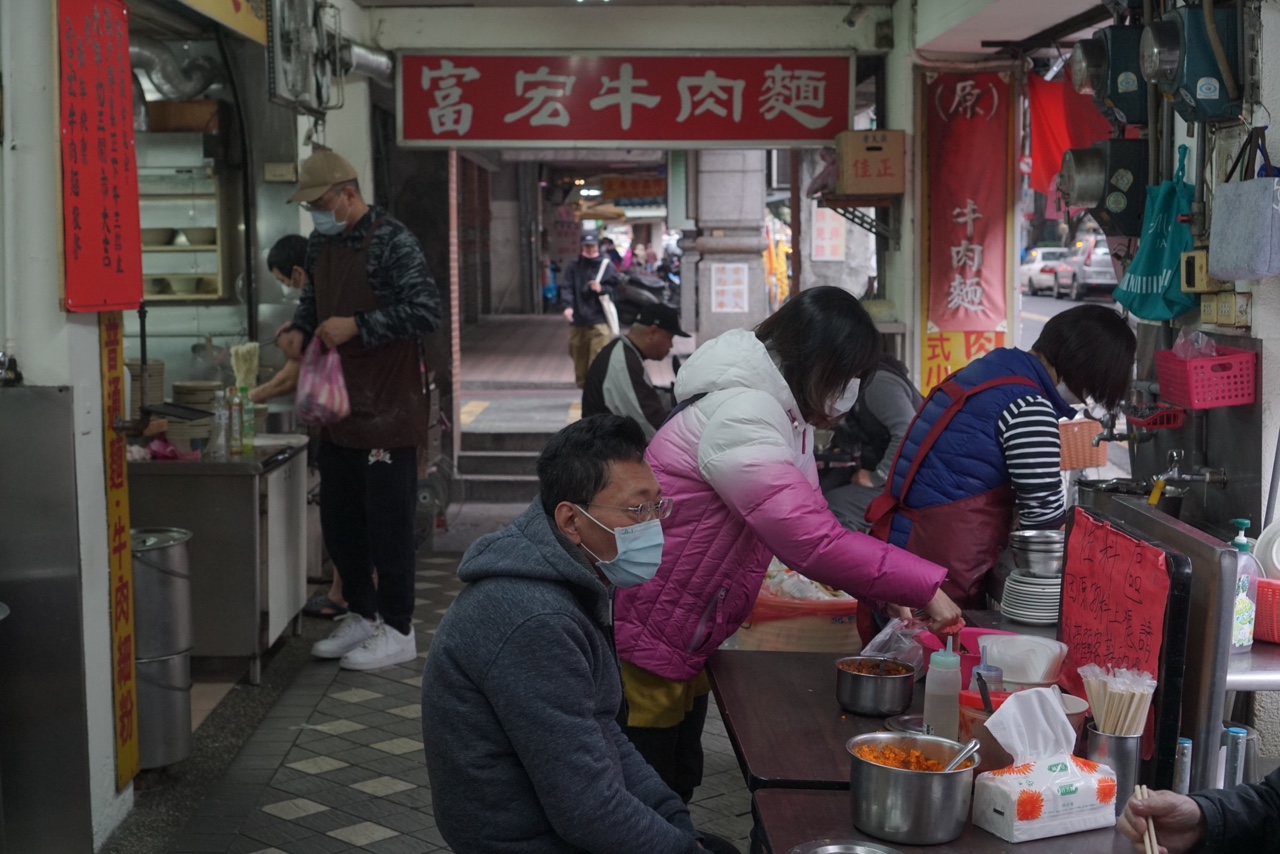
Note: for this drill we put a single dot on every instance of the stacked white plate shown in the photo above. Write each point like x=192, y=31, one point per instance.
x=155, y=384
x=1031, y=600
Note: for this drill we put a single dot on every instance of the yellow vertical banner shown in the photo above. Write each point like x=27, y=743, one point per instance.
x=111, y=341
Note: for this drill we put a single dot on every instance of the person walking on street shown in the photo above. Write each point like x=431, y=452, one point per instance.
x=369, y=294
x=581, y=287
x=616, y=381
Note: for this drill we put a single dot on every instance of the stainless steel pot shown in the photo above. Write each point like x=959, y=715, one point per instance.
x=910, y=807
x=874, y=695
x=282, y=420
x=1040, y=553
x=1097, y=495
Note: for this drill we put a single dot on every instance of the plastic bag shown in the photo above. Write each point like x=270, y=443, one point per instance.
x=897, y=640
x=1194, y=344
x=322, y=390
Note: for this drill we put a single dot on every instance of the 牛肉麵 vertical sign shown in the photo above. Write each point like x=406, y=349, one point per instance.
x=1115, y=592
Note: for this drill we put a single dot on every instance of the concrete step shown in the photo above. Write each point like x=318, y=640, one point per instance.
x=498, y=462
x=476, y=441
x=495, y=488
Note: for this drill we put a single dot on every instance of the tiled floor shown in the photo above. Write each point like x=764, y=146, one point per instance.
x=337, y=765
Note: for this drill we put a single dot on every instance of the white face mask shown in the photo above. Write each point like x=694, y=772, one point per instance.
x=843, y=402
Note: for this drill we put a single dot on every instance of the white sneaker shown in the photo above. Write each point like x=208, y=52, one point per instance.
x=352, y=631
x=383, y=648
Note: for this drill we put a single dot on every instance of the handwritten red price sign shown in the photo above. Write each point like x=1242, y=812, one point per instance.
x=1115, y=592
x=102, y=238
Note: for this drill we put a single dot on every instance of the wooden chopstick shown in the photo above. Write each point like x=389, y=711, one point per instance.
x=1149, y=838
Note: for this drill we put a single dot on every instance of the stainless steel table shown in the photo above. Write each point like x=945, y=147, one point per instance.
x=247, y=554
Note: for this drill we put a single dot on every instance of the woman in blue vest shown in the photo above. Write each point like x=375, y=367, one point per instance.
x=986, y=444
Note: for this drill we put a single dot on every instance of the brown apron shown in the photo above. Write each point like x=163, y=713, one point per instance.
x=965, y=536
x=384, y=383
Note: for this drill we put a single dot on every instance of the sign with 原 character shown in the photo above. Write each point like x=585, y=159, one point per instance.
x=631, y=101
x=102, y=231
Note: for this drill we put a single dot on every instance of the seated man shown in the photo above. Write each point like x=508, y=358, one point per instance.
x=521, y=691
x=616, y=381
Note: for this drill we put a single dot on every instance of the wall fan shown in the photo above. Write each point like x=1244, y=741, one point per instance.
x=304, y=42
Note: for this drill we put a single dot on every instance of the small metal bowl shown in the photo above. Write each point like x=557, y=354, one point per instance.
x=875, y=695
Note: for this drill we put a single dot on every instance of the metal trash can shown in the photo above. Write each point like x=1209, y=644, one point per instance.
x=162, y=644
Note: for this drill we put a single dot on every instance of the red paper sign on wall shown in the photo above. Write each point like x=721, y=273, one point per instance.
x=1114, y=595
x=102, y=238
x=667, y=101
x=969, y=163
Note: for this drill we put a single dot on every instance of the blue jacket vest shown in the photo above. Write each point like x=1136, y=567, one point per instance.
x=967, y=459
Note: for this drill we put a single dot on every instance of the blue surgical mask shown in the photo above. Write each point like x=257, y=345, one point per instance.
x=639, y=553
x=326, y=222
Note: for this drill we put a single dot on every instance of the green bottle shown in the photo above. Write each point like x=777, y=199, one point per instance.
x=248, y=422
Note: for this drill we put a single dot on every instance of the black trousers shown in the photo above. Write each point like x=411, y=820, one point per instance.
x=675, y=752
x=368, y=501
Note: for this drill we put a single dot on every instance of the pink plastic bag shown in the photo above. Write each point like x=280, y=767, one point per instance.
x=322, y=390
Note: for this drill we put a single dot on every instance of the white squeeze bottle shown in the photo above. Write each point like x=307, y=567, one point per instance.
x=942, y=694
x=1245, y=612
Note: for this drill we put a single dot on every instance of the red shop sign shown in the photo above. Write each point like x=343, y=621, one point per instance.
x=102, y=239
x=969, y=162
x=635, y=101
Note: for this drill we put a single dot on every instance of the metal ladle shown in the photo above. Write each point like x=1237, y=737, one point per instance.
x=969, y=749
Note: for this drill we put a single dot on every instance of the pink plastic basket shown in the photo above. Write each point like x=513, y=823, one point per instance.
x=1228, y=379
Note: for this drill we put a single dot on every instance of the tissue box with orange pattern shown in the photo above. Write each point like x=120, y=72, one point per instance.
x=1050, y=797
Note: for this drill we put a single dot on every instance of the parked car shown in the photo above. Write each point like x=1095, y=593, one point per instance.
x=1040, y=271
x=1087, y=267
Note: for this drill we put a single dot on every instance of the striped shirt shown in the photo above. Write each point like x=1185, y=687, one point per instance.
x=1028, y=432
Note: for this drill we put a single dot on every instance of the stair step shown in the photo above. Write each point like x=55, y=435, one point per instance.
x=498, y=462
x=495, y=488
x=474, y=441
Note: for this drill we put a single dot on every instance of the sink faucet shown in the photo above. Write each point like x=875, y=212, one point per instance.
x=1198, y=474
x=1109, y=433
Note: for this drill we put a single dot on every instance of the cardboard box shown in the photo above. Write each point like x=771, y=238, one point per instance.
x=871, y=163
x=184, y=116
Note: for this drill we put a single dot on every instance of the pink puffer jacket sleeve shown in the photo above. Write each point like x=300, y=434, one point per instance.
x=747, y=457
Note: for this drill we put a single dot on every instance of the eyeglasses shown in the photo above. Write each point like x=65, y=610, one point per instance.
x=314, y=206
x=645, y=512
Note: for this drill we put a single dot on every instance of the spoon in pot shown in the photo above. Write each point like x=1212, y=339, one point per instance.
x=969, y=749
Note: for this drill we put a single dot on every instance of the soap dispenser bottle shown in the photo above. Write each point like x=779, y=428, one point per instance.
x=1244, y=614
x=942, y=694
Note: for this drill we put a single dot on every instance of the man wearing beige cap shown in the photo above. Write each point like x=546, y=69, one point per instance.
x=369, y=295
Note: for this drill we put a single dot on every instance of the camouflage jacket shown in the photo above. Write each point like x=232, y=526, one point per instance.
x=398, y=274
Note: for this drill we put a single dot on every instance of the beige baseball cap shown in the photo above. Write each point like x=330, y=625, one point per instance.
x=319, y=172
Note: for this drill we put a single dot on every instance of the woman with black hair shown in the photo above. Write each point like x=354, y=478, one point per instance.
x=986, y=444
x=736, y=458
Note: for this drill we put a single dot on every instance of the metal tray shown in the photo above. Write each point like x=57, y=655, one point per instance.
x=842, y=846
x=906, y=723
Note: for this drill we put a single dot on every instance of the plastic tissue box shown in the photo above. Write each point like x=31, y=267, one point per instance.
x=1046, y=791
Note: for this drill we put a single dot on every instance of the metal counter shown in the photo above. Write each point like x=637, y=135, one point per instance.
x=248, y=550
x=1255, y=670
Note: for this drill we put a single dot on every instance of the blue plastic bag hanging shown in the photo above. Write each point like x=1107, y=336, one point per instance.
x=1152, y=287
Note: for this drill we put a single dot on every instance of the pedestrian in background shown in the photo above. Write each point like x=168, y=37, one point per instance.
x=582, y=284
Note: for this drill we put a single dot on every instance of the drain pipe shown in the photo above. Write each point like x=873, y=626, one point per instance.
x=377, y=65
x=174, y=81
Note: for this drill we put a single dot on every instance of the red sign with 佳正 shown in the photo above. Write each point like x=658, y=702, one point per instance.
x=968, y=158
x=102, y=238
x=677, y=101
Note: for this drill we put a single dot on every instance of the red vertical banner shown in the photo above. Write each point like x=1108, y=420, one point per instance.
x=969, y=149
x=102, y=237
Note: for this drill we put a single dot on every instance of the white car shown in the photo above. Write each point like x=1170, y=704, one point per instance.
x=1040, y=271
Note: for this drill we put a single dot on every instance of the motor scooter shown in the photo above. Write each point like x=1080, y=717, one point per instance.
x=639, y=290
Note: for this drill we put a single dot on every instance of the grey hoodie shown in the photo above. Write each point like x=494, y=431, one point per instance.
x=519, y=704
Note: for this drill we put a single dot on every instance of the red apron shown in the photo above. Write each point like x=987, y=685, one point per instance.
x=965, y=536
